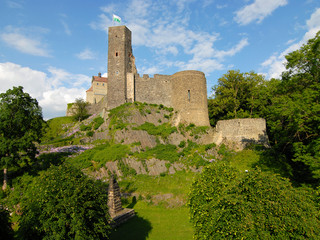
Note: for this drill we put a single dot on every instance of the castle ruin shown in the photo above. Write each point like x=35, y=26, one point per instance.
x=185, y=91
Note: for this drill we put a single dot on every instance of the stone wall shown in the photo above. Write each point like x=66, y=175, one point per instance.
x=238, y=133
x=156, y=90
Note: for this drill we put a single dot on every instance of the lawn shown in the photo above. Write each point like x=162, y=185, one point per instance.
x=155, y=222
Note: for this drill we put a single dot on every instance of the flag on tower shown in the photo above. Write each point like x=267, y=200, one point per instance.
x=116, y=18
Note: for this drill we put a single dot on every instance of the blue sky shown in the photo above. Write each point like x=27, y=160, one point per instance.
x=53, y=47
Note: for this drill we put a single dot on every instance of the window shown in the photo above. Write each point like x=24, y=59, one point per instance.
x=117, y=54
x=189, y=95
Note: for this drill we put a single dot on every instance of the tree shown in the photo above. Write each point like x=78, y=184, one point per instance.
x=227, y=204
x=237, y=95
x=63, y=203
x=293, y=117
x=80, y=111
x=20, y=128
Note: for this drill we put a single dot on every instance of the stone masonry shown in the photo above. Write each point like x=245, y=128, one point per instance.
x=118, y=214
x=185, y=91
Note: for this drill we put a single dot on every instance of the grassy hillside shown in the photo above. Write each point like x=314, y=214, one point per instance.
x=159, y=200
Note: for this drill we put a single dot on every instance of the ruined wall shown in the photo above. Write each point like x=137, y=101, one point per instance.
x=156, y=90
x=189, y=97
x=241, y=132
x=120, y=62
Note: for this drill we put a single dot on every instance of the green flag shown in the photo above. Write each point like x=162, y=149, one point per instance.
x=116, y=18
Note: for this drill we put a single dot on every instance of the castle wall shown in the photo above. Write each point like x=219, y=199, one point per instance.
x=89, y=97
x=156, y=90
x=189, y=97
x=99, y=91
x=241, y=132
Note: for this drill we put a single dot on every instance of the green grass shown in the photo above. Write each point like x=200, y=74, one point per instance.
x=163, y=152
x=100, y=154
x=156, y=222
x=56, y=127
x=163, y=130
x=178, y=184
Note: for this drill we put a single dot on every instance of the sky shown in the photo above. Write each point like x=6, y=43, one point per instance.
x=53, y=47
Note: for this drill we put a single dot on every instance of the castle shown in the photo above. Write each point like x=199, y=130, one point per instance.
x=185, y=91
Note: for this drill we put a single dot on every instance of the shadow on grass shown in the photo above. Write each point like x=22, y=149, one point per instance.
x=136, y=228
x=42, y=162
x=134, y=202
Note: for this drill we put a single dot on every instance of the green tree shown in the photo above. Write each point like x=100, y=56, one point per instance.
x=20, y=128
x=237, y=95
x=63, y=203
x=226, y=204
x=80, y=111
x=293, y=117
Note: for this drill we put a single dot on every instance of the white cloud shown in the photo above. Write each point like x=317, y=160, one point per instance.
x=257, y=11
x=14, y=4
x=86, y=54
x=53, y=90
x=244, y=42
x=32, y=45
x=66, y=28
x=275, y=64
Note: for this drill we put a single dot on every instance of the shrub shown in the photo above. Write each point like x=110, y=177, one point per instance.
x=98, y=122
x=63, y=203
x=225, y=204
x=90, y=133
x=182, y=144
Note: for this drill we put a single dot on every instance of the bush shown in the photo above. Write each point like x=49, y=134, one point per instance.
x=90, y=133
x=225, y=204
x=182, y=144
x=98, y=122
x=63, y=203
x=85, y=127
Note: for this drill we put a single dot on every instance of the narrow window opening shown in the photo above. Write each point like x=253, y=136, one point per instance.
x=117, y=54
x=189, y=95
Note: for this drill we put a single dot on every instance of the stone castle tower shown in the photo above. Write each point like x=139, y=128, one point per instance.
x=120, y=67
x=185, y=91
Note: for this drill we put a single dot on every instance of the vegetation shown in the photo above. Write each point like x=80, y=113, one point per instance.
x=225, y=203
x=238, y=195
x=163, y=130
x=63, y=203
x=79, y=109
x=56, y=127
x=100, y=155
x=20, y=128
x=290, y=105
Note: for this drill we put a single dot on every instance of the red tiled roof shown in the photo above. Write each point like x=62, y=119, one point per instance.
x=99, y=79
x=90, y=89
